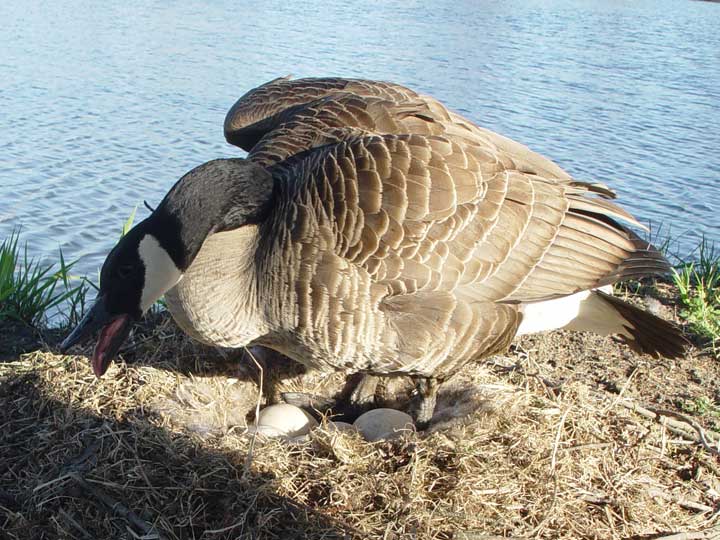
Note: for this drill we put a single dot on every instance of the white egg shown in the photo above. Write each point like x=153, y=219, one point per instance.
x=381, y=424
x=265, y=431
x=287, y=420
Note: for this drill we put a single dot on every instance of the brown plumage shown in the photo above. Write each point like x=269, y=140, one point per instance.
x=403, y=239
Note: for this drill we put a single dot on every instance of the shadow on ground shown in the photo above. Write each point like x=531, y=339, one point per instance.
x=68, y=473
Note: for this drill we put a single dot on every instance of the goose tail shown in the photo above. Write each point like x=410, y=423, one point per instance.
x=642, y=331
x=599, y=312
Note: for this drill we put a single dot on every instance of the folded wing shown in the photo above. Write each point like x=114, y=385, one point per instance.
x=430, y=213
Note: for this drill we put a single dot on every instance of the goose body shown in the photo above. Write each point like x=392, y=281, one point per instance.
x=372, y=229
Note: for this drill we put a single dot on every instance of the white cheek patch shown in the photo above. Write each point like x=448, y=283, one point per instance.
x=161, y=274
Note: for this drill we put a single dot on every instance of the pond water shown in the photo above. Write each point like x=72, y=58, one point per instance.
x=104, y=105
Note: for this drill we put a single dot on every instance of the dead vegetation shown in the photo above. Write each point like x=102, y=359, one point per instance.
x=569, y=436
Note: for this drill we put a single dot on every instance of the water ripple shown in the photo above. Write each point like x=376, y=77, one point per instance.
x=105, y=105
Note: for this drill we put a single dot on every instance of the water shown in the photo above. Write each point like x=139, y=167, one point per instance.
x=103, y=105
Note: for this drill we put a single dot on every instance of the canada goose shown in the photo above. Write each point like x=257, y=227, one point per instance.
x=372, y=230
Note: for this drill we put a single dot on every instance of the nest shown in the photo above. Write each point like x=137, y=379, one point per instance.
x=530, y=445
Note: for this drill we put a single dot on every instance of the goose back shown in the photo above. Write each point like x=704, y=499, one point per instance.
x=402, y=238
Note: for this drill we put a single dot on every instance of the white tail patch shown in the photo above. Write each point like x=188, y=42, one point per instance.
x=582, y=312
x=161, y=274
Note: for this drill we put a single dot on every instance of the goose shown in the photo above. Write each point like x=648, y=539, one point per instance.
x=372, y=230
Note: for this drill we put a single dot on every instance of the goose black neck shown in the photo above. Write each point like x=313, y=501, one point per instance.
x=219, y=195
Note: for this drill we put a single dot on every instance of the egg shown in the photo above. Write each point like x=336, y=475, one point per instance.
x=380, y=424
x=265, y=431
x=284, y=420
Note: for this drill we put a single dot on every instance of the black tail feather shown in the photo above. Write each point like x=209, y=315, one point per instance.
x=650, y=334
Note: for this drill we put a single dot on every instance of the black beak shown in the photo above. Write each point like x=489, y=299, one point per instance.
x=93, y=321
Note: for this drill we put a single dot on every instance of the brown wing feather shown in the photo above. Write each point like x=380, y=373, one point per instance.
x=284, y=117
x=335, y=118
x=266, y=107
x=429, y=213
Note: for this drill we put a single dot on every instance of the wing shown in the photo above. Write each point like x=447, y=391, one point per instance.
x=423, y=213
x=338, y=117
x=268, y=106
x=284, y=117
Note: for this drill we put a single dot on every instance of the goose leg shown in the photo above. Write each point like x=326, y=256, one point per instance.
x=274, y=366
x=357, y=396
x=362, y=395
x=427, y=388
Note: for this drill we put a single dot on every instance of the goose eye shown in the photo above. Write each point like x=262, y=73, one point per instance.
x=124, y=270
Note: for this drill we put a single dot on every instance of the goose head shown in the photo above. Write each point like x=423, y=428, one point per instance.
x=151, y=258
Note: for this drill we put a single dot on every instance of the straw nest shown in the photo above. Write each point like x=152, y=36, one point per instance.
x=566, y=437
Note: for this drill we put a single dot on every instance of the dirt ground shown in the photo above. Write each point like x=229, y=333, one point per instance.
x=566, y=436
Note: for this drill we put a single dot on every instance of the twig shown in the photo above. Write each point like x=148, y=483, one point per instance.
x=226, y=529
x=141, y=469
x=137, y=536
x=470, y=535
x=45, y=485
x=703, y=436
x=587, y=446
x=597, y=497
x=620, y=394
x=689, y=505
x=680, y=428
x=117, y=508
x=248, y=459
x=547, y=384
x=557, y=441
x=83, y=461
x=700, y=535
x=710, y=465
x=235, y=525
x=75, y=524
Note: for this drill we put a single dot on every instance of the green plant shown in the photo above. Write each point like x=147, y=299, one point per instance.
x=661, y=237
x=74, y=308
x=698, y=284
x=701, y=405
x=30, y=289
x=128, y=222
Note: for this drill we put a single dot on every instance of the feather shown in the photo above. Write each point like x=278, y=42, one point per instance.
x=403, y=238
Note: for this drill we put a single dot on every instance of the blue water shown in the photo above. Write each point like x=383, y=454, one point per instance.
x=104, y=104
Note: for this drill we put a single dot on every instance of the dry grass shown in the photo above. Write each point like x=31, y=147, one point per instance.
x=157, y=449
